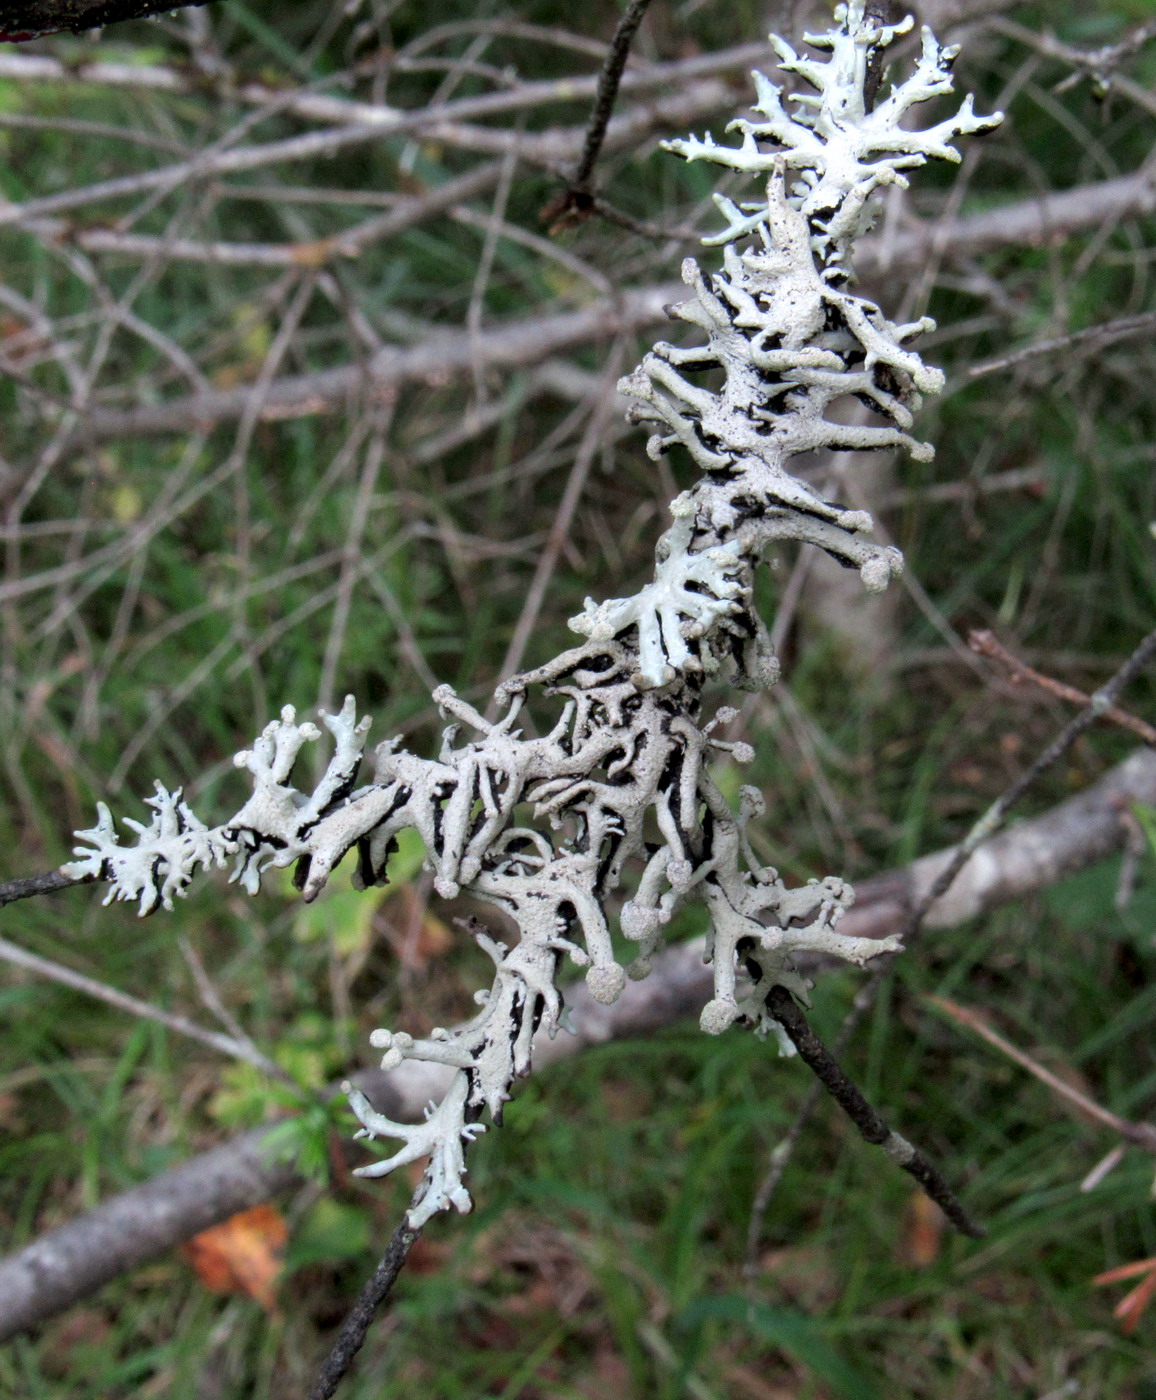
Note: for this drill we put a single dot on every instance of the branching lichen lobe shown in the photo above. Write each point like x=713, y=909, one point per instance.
x=631, y=751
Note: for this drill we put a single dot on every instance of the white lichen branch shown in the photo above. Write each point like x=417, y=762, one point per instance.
x=619, y=787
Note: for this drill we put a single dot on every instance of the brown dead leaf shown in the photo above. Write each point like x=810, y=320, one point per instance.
x=922, y=1232
x=242, y=1255
x=1131, y=1308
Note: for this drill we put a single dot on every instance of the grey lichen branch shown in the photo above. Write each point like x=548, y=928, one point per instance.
x=616, y=794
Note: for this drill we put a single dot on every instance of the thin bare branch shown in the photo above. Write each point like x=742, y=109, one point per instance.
x=1092, y=338
x=985, y=643
x=57, y=972
x=29, y=885
x=356, y=1326
x=867, y=1120
x=1142, y=1134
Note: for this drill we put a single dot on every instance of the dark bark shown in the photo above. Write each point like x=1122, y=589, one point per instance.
x=29, y=885
x=356, y=1326
x=32, y=19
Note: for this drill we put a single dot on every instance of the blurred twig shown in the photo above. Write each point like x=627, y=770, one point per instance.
x=985, y=643
x=1142, y=1134
x=57, y=972
x=1093, y=337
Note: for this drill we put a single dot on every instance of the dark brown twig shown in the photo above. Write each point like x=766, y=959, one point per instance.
x=985, y=643
x=871, y=1126
x=576, y=202
x=25, y=888
x=356, y=1326
x=1097, y=705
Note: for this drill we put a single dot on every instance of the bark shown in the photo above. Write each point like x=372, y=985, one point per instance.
x=32, y=19
x=67, y=1264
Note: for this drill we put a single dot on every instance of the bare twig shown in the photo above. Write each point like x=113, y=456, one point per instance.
x=1093, y=337
x=993, y=818
x=212, y=1000
x=29, y=885
x=985, y=643
x=57, y=972
x=1142, y=1134
x=575, y=202
x=871, y=1126
x=356, y=1326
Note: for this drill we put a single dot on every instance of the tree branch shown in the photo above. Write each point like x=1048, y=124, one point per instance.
x=32, y=19
x=29, y=885
x=533, y=338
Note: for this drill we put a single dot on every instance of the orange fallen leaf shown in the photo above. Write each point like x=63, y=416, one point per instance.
x=241, y=1255
x=923, y=1232
x=1132, y=1306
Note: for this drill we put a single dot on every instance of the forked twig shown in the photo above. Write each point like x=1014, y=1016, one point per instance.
x=1098, y=704
x=985, y=643
x=576, y=202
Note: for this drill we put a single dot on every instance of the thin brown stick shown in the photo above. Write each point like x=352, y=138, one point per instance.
x=870, y=1124
x=575, y=203
x=985, y=643
x=356, y=1326
x=1142, y=1134
x=563, y=520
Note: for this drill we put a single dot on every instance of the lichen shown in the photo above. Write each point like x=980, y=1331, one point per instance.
x=630, y=753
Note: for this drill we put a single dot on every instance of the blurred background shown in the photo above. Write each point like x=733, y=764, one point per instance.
x=305, y=393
